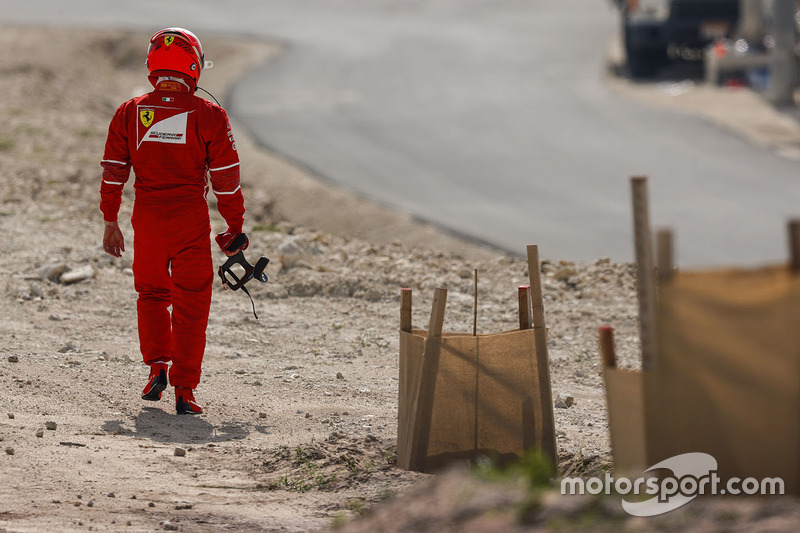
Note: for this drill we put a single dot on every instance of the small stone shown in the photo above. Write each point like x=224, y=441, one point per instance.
x=339, y=375
x=40, y=433
x=262, y=414
x=180, y=452
x=564, y=273
x=128, y=523
x=294, y=250
x=183, y=506
x=169, y=526
x=9, y=451
x=11, y=416
x=13, y=359
x=78, y=274
x=308, y=415
x=151, y=504
x=564, y=402
x=52, y=271
x=90, y=503
x=69, y=347
x=111, y=495
x=50, y=425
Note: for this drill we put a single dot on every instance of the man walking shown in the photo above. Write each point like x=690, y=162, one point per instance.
x=176, y=143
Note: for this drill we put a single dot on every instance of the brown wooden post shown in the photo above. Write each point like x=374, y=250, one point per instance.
x=605, y=335
x=525, y=315
x=543, y=397
x=437, y=313
x=405, y=310
x=646, y=276
x=535, y=278
x=665, y=254
x=794, y=245
x=423, y=405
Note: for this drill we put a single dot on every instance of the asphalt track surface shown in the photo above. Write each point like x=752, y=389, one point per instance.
x=488, y=118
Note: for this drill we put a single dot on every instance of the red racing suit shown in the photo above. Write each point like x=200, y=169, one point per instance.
x=176, y=143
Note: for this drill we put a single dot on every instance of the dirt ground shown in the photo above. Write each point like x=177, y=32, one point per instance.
x=301, y=405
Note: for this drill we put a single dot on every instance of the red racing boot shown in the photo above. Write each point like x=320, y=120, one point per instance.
x=156, y=383
x=184, y=402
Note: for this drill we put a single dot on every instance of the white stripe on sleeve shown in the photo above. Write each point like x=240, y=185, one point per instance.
x=114, y=161
x=226, y=193
x=224, y=168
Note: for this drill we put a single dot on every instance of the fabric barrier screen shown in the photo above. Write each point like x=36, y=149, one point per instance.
x=464, y=396
x=625, y=397
x=727, y=376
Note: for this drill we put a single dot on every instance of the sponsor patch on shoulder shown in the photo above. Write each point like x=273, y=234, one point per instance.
x=170, y=128
x=167, y=99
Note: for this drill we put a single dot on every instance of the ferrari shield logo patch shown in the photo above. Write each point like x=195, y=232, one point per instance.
x=170, y=127
x=168, y=39
x=146, y=116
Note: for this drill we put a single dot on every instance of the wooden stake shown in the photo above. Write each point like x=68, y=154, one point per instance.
x=475, y=308
x=535, y=277
x=437, y=313
x=405, y=310
x=794, y=245
x=664, y=254
x=644, y=261
x=543, y=397
x=423, y=405
x=606, y=343
x=525, y=317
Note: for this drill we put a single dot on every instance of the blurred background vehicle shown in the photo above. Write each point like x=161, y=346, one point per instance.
x=754, y=43
x=657, y=31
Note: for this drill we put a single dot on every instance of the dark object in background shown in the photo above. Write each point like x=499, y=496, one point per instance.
x=659, y=31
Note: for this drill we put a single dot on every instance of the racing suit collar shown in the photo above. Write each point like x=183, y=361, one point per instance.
x=172, y=84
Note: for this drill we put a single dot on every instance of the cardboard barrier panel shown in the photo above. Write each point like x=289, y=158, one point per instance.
x=463, y=396
x=625, y=397
x=727, y=378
